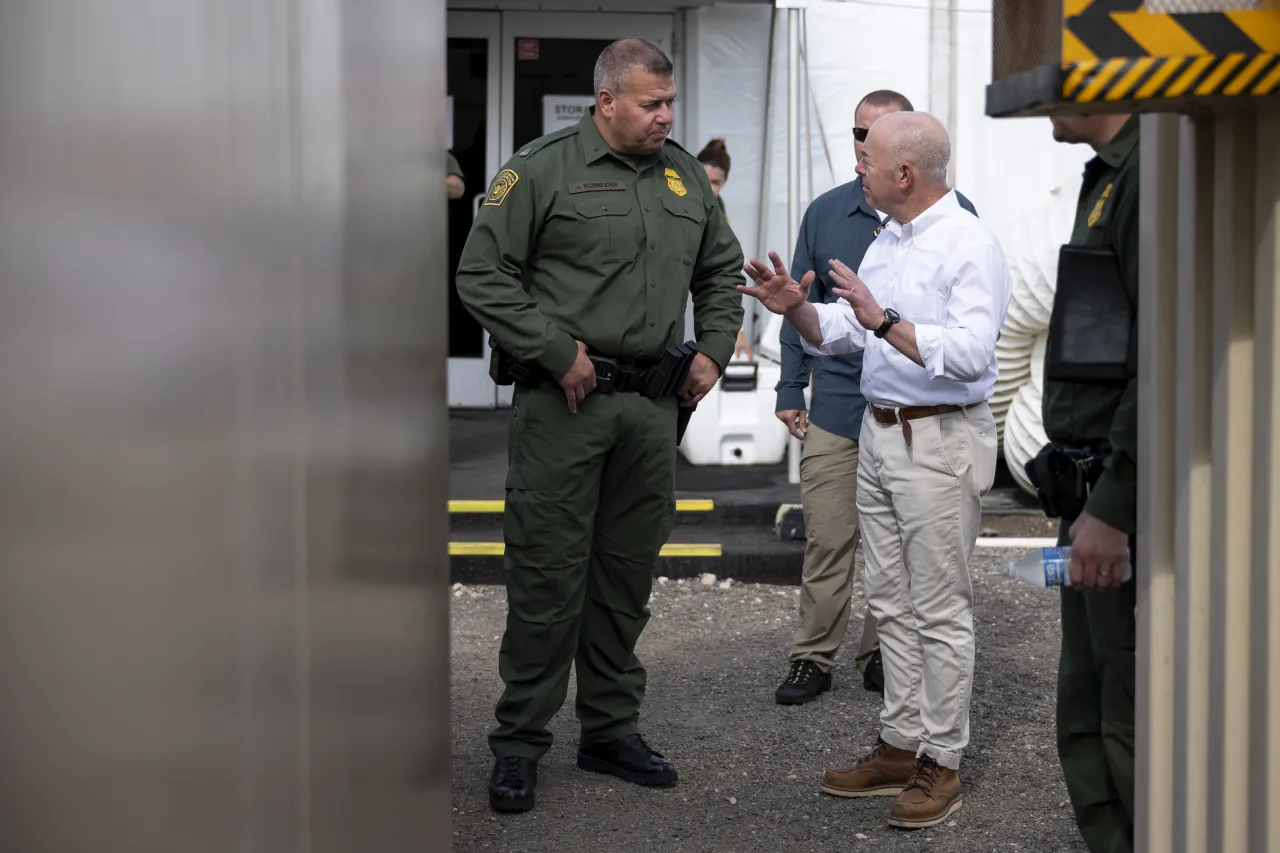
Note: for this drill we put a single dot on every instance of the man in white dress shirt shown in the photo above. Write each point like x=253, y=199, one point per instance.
x=926, y=307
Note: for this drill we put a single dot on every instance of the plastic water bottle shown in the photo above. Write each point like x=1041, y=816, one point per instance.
x=1051, y=567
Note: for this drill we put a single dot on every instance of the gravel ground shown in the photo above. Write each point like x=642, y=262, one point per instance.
x=749, y=768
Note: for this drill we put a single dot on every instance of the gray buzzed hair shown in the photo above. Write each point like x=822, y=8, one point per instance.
x=921, y=140
x=614, y=66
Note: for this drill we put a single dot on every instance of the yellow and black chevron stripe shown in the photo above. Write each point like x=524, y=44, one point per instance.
x=1114, y=50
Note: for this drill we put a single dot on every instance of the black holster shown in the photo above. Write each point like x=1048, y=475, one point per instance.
x=668, y=377
x=1063, y=478
x=504, y=369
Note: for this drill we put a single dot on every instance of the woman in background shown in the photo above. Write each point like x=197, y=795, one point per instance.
x=714, y=158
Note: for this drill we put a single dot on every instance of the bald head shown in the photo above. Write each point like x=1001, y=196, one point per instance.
x=904, y=164
x=917, y=139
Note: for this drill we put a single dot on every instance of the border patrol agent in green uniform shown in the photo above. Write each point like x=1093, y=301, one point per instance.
x=589, y=244
x=1087, y=476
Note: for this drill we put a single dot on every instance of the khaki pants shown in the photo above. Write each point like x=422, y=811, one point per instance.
x=829, y=492
x=920, y=507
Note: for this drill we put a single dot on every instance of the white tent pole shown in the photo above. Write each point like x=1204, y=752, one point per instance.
x=748, y=304
x=795, y=24
x=793, y=126
x=943, y=17
x=807, y=105
x=953, y=56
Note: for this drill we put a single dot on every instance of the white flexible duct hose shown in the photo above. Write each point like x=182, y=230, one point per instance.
x=1024, y=425
x=1031, y=244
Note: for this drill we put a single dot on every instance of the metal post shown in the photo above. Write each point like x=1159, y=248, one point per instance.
x=1209, y=547
x=223, y=520
x=1156, y=379
x=1264, y=715
x=1192, y=365
x=1231, y=481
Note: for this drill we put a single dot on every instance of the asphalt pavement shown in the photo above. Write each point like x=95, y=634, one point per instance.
x=749, y=768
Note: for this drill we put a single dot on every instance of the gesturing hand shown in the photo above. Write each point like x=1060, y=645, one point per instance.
x=776, y=290
x=579, y=380
x=850, y=288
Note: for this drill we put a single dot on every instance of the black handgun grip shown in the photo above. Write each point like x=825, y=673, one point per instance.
x=687, y=351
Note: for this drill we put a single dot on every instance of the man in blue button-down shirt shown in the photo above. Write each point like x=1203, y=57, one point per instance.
x=838, y=224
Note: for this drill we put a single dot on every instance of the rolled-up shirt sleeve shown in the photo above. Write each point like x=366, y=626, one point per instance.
x=961, y=348
x=841, y=332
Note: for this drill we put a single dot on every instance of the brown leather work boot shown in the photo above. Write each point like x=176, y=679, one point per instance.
x=884, y=772
x=932, y=796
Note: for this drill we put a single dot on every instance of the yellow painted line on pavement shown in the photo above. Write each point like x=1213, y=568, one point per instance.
x=496, y=549
x=475, y=506
x=692, y=505
x=672, y=549
x=476, y=549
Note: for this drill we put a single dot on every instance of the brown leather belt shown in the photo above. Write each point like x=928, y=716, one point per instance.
x=888, y=416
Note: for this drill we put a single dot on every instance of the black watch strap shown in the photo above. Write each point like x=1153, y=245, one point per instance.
x=890, y=317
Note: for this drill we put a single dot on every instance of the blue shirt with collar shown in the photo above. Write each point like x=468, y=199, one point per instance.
x=838, y=224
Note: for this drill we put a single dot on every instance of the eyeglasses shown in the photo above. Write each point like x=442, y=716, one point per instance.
x=860, y=134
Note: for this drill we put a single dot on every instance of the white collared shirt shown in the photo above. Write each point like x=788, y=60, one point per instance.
x=945, y=272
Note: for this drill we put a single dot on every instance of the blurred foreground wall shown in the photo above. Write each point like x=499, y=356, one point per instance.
x=223, y=589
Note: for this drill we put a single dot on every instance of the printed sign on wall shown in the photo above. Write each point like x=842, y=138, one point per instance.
x=563, y=110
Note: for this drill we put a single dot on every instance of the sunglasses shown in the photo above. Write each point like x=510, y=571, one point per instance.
x=860, y=134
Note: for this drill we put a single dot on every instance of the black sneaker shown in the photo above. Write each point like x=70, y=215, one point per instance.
x=804, y=683
x=873, y=675
x=512, y=783
x=628, y=758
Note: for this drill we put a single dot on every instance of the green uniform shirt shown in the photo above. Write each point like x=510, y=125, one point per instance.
x=452, y=167
x=575, y=242
x=1107, y=215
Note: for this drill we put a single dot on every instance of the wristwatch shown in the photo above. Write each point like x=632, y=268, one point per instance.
x=890, y=317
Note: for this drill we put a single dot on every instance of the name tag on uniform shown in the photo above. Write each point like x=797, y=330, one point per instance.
x=596, y=186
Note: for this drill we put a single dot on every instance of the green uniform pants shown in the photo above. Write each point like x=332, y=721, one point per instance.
x=590, y=503
x=1096, y=683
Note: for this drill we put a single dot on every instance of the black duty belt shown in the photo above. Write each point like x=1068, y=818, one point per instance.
x=621, y=374
x=652, y=378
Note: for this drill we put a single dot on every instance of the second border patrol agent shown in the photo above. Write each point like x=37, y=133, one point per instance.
x=1087, y=476
x=590, y=243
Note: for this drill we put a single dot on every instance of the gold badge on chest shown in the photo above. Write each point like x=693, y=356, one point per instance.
x=1096, y=213
x=675, y=184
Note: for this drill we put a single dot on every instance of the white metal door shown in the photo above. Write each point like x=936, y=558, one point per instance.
x=474, y=124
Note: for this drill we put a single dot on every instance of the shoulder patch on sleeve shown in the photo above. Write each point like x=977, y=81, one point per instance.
x=501, y=186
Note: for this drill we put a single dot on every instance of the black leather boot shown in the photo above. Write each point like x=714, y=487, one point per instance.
x=512, y=783
x=803, y=684
x=630, y=759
